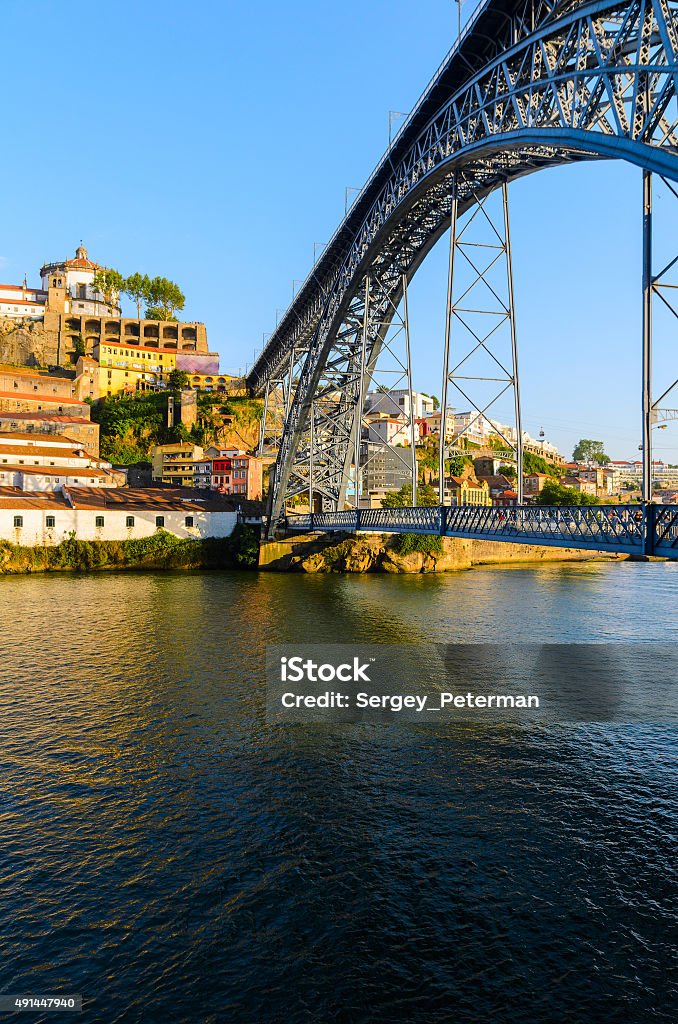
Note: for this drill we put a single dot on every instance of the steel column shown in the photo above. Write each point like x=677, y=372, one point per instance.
x=446, y=356
x=310, y=459
x=647, y=336
x=408, y=357
x=514, y=348
x=360, y=401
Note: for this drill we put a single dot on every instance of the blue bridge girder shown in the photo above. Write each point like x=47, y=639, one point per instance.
x=622, y=529
x=530, y=84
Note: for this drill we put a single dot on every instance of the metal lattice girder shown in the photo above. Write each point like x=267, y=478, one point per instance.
x=530, y=84
x=620, y=528
x=480, y=353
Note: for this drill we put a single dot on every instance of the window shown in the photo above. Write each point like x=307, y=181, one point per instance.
x=189, y=521
x=50, y=522
x=159, y=522
x=18, y=522
x=99, y=522
x=129, y=522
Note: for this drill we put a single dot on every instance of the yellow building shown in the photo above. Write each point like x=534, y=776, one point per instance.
x=132, y=368
x=468, y=491
x=225, y=382
x=176, y=463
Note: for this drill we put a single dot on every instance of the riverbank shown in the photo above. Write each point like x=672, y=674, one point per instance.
x=163, y=550
x=405, y=553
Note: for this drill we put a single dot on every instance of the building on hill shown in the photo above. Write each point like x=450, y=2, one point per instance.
x=384, y=469
x=497, y=484
x=175, y=463
x=74, y=278
x=33, y=462
x=75, y=317
x=39, y=424
x=96, y=514
x=397, y=402
x=40, y=401
x=533, y=483
x=467, y=490
x=235, y=472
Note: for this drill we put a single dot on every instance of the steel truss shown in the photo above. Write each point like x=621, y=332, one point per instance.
x=659, y=289
x=480, y=326
x=387, y=369
x=561, y=81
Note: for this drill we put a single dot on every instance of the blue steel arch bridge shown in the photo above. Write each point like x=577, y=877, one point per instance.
x=529, y=84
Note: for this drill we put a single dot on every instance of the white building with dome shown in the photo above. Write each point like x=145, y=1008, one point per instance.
x=76, y=276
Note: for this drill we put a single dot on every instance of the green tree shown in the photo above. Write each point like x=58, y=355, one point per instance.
x=164, y=299
x=79, y=349
x=508, y=471
x=456, y=465
x=109, y=283
x=590, y=451
x=137, y=287
x=426, y=495
x=178, y=380
x=553, y=493
x=436, y=402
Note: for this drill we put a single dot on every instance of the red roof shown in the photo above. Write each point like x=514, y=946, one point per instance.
x=36, y=397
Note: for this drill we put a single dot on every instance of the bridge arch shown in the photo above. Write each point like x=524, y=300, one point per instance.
x=590, y=81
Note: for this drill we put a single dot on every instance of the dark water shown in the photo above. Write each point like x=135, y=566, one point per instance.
x=171, y=857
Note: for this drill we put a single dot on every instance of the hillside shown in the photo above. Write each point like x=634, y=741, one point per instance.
x=131, y=425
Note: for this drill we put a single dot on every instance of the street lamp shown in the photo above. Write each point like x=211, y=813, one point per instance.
x=392, y=115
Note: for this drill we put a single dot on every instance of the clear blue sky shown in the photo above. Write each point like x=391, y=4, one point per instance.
x=211, y=143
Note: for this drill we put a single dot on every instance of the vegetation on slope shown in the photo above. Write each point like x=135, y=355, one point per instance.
x=131, y=425
x=161, y=551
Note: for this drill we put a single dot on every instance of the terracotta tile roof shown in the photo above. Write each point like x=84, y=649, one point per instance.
x=25, y=435
x=35, y=397
x=93, y=474
x=15, y=498
x=143, y=499
x=36, y=450
x=20, y=288
x=44, y=417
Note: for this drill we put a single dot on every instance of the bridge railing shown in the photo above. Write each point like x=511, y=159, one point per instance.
x=617, y=527
x=623, y=528
x=666, y=530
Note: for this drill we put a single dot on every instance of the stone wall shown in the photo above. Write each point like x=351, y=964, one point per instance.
x=379, y=553
x=27, y=343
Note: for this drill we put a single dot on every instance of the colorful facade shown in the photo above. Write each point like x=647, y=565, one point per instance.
x=236, y=472
x=176, y=463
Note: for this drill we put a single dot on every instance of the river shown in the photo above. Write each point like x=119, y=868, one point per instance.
x=171, y=857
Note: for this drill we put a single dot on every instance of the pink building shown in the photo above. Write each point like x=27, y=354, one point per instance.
x=235, y=472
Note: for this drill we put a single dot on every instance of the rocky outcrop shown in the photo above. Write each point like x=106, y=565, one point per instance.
x=346, y=553
x=27, y=343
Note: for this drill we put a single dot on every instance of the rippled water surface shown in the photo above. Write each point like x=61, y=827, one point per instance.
x=171, y=857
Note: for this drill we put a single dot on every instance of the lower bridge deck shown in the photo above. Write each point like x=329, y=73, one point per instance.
x=627, y=529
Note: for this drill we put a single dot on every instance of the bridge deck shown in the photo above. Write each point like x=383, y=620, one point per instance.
x=625, y=529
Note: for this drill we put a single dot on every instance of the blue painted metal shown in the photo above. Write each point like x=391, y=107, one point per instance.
x=625, y=529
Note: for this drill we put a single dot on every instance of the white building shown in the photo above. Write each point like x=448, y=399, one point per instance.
x=397, y=402
x=32, y=520
x=391, y=430
x=76, y=276
x=18, y=301
x=38, y=462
